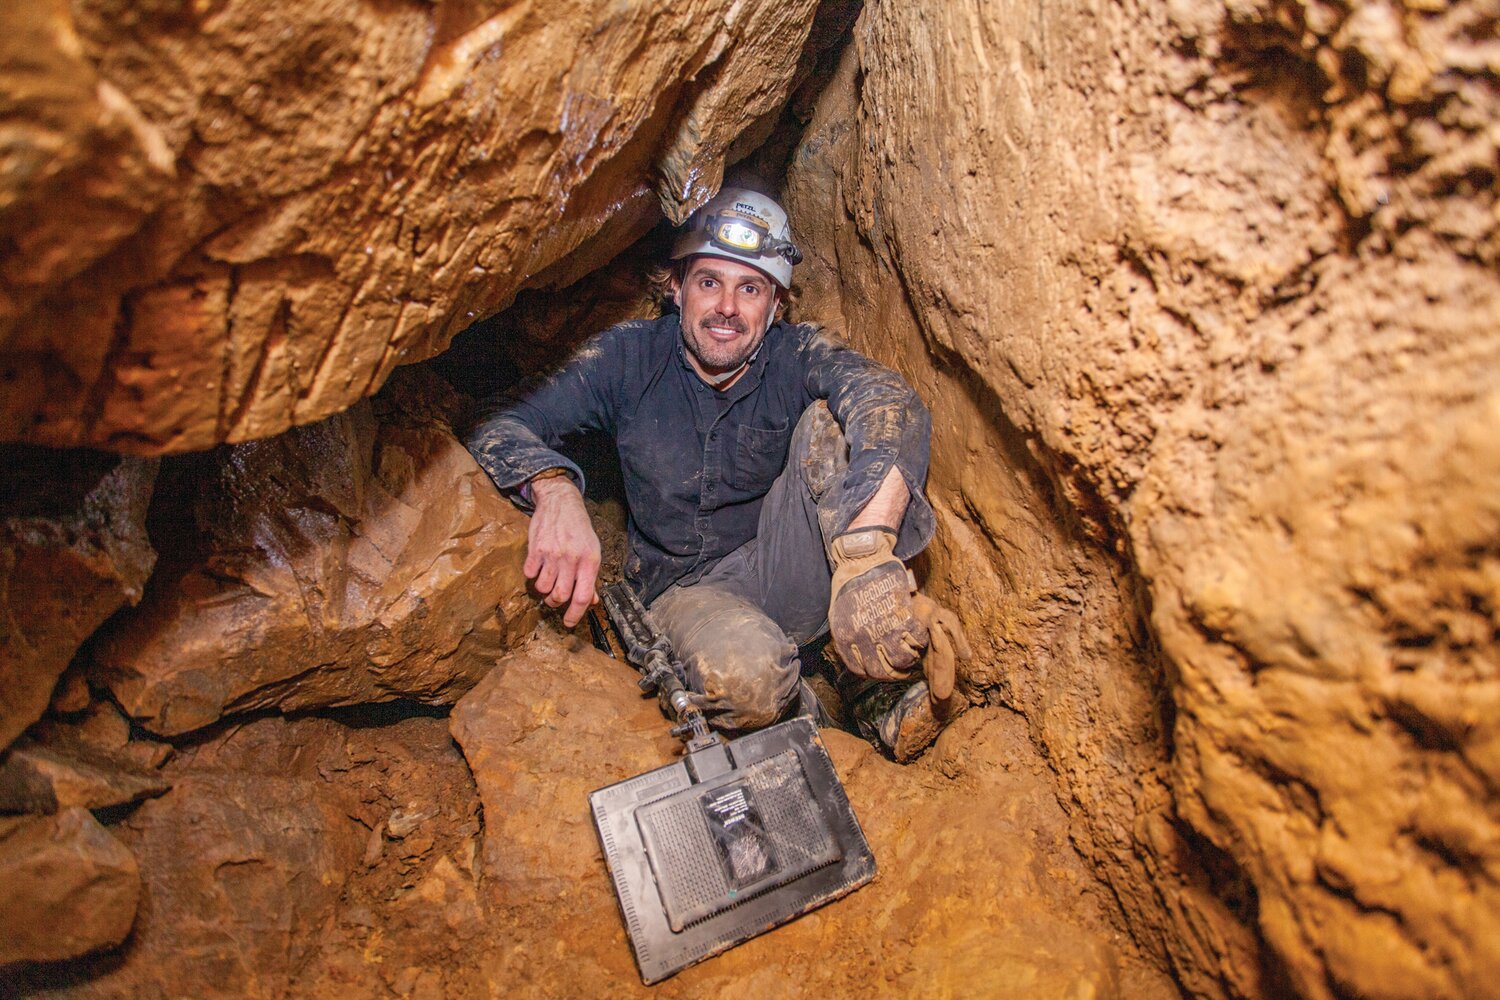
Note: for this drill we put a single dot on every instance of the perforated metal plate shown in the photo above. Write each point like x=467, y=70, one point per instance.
x=700, y=867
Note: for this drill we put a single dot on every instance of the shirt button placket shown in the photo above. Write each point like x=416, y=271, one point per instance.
x=711, y=463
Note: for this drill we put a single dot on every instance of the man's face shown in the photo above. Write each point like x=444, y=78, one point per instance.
x=726, y=307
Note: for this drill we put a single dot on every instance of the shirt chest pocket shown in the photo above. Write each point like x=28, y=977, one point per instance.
x=758, y=457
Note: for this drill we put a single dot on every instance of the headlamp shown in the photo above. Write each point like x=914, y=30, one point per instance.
x=733, y=232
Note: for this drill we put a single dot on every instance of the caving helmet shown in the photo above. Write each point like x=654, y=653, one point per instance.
x=738, y=224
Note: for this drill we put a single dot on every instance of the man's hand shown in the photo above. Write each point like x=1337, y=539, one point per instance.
x=875, y=629
x=562, y=550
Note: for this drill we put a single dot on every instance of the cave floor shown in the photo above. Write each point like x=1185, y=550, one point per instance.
x=362, y=854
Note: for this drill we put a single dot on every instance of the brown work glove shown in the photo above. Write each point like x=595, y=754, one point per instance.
x=948, y=644
x=870, y=614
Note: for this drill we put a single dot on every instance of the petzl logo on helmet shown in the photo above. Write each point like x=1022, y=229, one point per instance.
x=749, y=210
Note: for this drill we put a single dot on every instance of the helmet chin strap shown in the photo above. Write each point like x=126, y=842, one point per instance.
x=718, y=380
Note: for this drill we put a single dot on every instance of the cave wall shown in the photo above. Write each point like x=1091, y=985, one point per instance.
x=171, y=278
x=73, y=550
x=1204, y=300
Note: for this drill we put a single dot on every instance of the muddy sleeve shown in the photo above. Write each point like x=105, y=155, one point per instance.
x=886, y=425
x=517, y=432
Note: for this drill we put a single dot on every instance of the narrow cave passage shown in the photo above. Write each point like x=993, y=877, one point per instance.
x=1201, y=299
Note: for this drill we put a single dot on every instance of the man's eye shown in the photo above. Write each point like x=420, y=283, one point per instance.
x=752, y=290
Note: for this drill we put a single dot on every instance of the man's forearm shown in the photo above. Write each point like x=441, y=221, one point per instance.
x=887, y=507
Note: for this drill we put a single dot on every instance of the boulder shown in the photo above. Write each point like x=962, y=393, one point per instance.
x=361, y=559
x=979, y=892
x=221, y=224
x=73, y=549
x=258, y=877
x=67, y=887
x=45, y=777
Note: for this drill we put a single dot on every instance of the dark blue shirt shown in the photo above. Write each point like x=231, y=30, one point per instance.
x=697, y=462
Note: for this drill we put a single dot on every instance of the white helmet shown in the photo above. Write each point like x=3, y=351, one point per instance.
x=746, y=226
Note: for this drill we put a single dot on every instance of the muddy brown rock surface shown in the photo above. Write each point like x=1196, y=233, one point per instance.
x=219, y=224
x=362, y=559
x=979, y=892
x=67, y=887
x=243, y=862
x=43, y=777
x=327, y=856
x=73, y=549
x=1203, y=300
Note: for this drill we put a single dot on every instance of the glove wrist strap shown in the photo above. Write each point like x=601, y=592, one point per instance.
x=861, y=542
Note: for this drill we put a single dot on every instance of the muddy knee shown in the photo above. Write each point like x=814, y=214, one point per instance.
x=740, y=665
x=820, y=449
x=745, y=685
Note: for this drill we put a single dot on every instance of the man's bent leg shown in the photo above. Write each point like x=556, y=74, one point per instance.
x=785, y=569
x=780, y=581
x=737, y=629
x=788, y=565
x=740, y=665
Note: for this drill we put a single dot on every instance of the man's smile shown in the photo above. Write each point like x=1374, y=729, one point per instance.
x=722, y=328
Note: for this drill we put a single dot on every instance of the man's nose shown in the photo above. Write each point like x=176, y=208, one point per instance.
x=729, y=304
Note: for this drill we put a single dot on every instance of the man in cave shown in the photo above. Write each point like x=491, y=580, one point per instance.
x=773, y=478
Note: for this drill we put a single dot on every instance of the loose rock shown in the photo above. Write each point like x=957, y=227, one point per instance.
x=241, y=873
x=67, y=887
x=358, y=560
x=43, y=778
x=73, y=549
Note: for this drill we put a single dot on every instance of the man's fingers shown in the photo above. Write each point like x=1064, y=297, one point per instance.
x=546, y=579
x=587, y=582
x=856, y=661
x=892, y=668
x=932, y=614
x=947, y=644
x=583, y=592
x=955, y=631
x=583, y=596
x=562, y=553
x=562, y=588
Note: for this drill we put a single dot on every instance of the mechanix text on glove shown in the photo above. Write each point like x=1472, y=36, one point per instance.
x=870, y=615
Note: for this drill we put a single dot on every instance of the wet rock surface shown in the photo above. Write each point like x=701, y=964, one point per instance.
x=1209, y=343
x=67, y=887
x=173, y=278
x=73, y=549
x=979, y=891
x=361, y=559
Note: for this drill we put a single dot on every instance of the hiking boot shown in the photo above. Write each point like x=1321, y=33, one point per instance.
x=903, y=718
